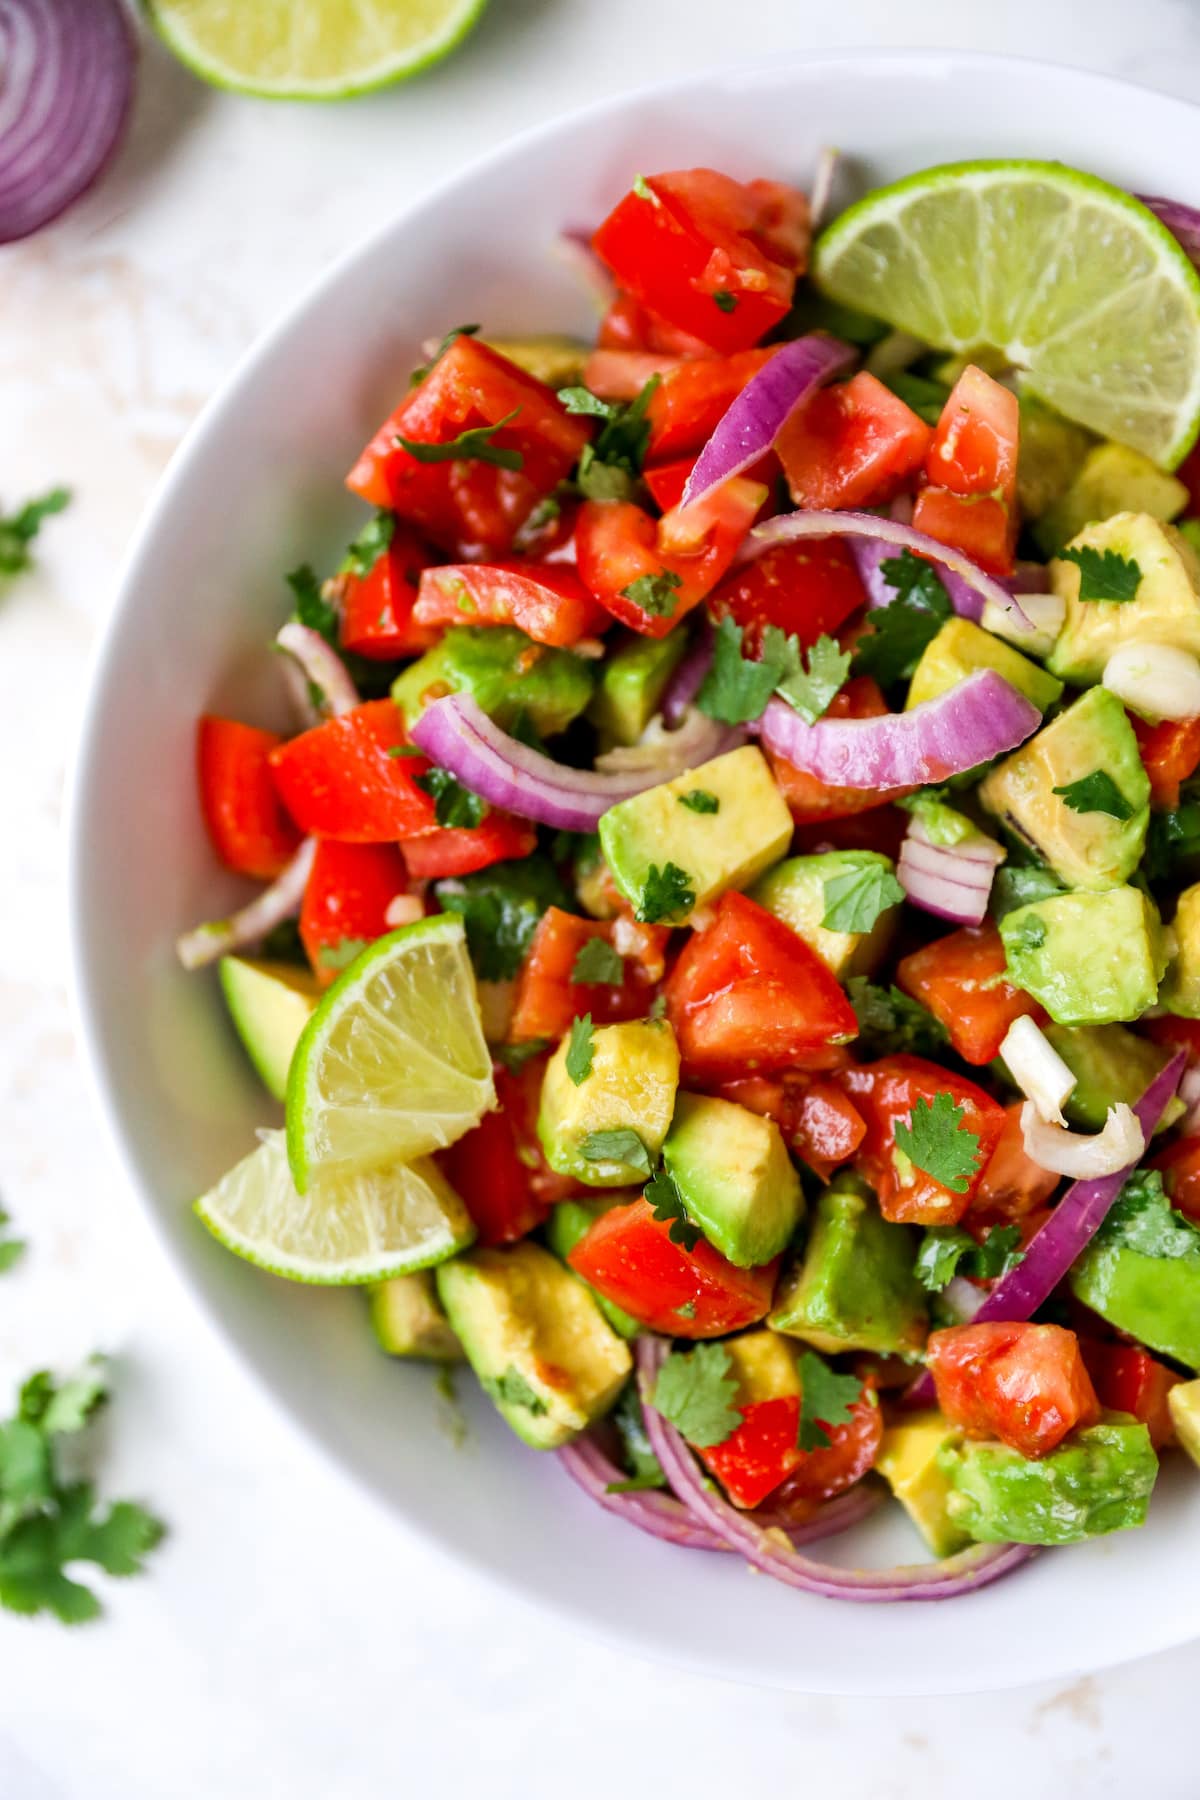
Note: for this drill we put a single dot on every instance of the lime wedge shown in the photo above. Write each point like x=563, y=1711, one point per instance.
x=347, y=1228
x=311, y=49
x=393, y=1062
x=1073, y=281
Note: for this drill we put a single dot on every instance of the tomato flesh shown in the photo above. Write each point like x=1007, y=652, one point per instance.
x=1170, y=753
x=960, y=980
x=460, y=850
x=1179, y=1166
x=885, y=1094
x=692, y=398
x=377, y=608
x=498, y=1168
x=628, y=325
x=1128, y=1379
x=808, y=589
x=977, y=524
x=247, y=826
x=346, y=897
x=819, y=1123
x=628, y=1255
x=548, y=999
x=1024, y=1384
x=971, y=501
x=820, y=1474
x=547, y=601
x=854, y=444
x=339, y=781
x=1012, y=1185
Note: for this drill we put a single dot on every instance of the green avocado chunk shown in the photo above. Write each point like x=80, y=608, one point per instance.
x=1181, y=988
x=961, y=648
x=270, y=1003
x=509, y=676
x=1098, y=1480
x=1112, y=479
x=573, y=1219
x=633, y=679
x=1164, y=610
x=621, y=1108
x=1141, y=1271
x=1091, y=959
x=1184, y=1404
x=735, y=1178
x=1049, y=457
x=854, y=1288
x=408, y=1321
x=1110, y=1065
x=795, y=892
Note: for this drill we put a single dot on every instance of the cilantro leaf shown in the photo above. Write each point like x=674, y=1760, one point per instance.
x=700, y=801
x=725, y=300
x=11, y=1248
x=370, y=544
x=1103, y=575
x=455, y=807
x=474, y=445
x=1172, y=842
x=582, y=402
x=999, y=1252
x=666, y=1202
x=890, y=1022
x=343, y=953
x=1014, y=886
x=825, y=1400
x=312, y=608
x=902, y=629
x=665, y=891
x=637, y=1452
x=914, y=579
x=609, y=466
x=18, y=530
x=500, y=907
x=579, y=1050
x=1143, y=1219
x=1093, y=793
x=621, y=1145
x=808, y=691
x=514, y=1056
x=597, y=961
x=655, y=594
x=512, y=1389
x=658, y=1008
x=455, y=331
x=695, y=1392
x=948, y=1250
x=857, y=898
x=736, y=688
x=937, y=1142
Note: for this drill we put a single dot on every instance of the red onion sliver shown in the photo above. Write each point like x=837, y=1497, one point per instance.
x=1183, y=222
x=688, y=678
x=929, y=877
x=662, y=1515
x=322, y=666
x=280, y=901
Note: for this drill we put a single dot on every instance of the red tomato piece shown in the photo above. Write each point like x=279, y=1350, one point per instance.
x=547, y=601
x=1176, y=1033
x=629, y=1257
x=974, y=448
x=851, y=1451
x=692, y=398
x=247, y=826
x=805, y=588
x=1170, y=752
x=812, y=802
x=668, y=480
x=346, y=898
x=885, y=1093
x=628, y=325
x=1024, y=1384
x=377, y=608
x=748, y=995
x=471, y=501
x=716, y=257
x=459, y=850
x=338, y=780
x=819, y=1123
x=498, y=1168
x=1179, y=1166
x=1128, y=1379
x=622, y=374
x=879, y=828
x=960, y=980
x=979, y=525
x=853, y=444
x=548, y=998
x=1189, y=473
x=1012, y=1185
x=760, y=1453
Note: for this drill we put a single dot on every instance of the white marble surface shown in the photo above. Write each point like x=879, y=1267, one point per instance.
x=290, y=1640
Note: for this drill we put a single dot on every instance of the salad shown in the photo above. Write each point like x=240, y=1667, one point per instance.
x=728, y=933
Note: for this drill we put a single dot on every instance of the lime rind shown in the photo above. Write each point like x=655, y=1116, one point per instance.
x=1072, y=279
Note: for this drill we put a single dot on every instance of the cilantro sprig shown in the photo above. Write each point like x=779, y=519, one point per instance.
x=700, y=800
x=609, y=466
x=1093, y=793
x=455, y=807
x=826, y=1401
x=1103, y=574
x=737, y=687
x=889, y=1021
x=936, y=1140
x=666, y=1203
x=474, y=445
x=597, y=963
x=902, y=630
x=666, y=891
x=695, y=1392
x=858, y=897
x=948, y=1250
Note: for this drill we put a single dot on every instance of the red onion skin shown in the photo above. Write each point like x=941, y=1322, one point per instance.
x=688, y=678
x=759, y=413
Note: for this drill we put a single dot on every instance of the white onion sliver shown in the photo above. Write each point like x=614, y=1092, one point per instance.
x=321, y=665
x=208, y=943
x=1035, y=634
x=1084, y=1158
x=1037, y=1068
x=1156, y=681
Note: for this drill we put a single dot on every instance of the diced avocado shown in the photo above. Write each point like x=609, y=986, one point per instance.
x=1164, y=610
x=270, y=1003
x=854, y=1287
x=1050, y=454
x=549, y=357
x=1184, y=1403
x=569, y=1221
x=1189, y=530
x=509, y=676
x=764, y=1366
x=907, y=1460
x=535, y=1337
x=735, y=1178
x=1112, y=479
x=631, y=1088
x=726, y=848
x=408, y=1321
x=1181, y=985
x=1087, y=849
x=795, y=892
x=1091, y=959
x=1098, y=1480
x=960, y=649
x=1141, y=1272
x=1110, y=1066
x=595, y=888
x=633, y=679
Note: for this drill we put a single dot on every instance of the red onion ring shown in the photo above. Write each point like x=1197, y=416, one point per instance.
x=270, y=908
x=322, y=666
x=951, y=881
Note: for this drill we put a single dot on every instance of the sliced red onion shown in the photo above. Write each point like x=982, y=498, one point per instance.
x=322, y=666
x=688, y=678
x=951, y=881
x=822, y=184
x=67, y=70
x=759, y=413
x=695, y=740
x=969, y=724
x=249, y=926
x=1183, y=222
x=299, y=692
x=771, y=1555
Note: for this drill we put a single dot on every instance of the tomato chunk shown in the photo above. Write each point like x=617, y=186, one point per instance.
x=1012, y=1185
x=1128, y=1379
x=622, y=374
x=974, y=448
x=629, y=1257
x=547, y=601
x=1024, y=1384
x=977, y=524
x=885, y=1094
x=346, y=898
x=960, y=980
x=1176, y=1033
x=818, y=1121
x=813, y=802
x=1179, y=1166
x=459, y=850
x=1170, y=753
x=851, y=1451
x=853, y=444
x=628, y=325
x=498, y=1168
x=693, y=397
x=668, y=480
x=339, y=781
x=808, y=589
x=247, y=826
x=548, y=998
x=377, y=608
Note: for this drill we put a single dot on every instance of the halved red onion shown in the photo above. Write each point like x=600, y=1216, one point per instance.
x=758, y=414
x=688, y=678
x=951, y=881
x=67, y=71
x=1183, y=222
x=322, y=666
x=822, y=184
x=969, y=724
x=280, y=901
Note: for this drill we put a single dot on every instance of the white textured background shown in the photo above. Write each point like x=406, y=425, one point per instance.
x=290, y=1640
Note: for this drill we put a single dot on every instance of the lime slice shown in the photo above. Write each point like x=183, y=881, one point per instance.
x=311, y=49
x=1075, y=282
x=393, y=1062
x=347, y=1228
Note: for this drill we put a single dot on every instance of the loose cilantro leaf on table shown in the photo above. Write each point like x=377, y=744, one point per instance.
x=655, y=594
x=597, y=962
x=1103, y=575
x=18, y=530
x=936, y=1141
x=667, y=1203
x=700, y=801
x=902, y=630
x=856, y=899
x=512, y=1388
x=11, y=1248
x=622, y=1145
x=665, y=891
x=474, y=445
x=500, y=907
x=948, y=1250
x=890, y=1022
x=454, y=806
x=579, y=1050
x=456, y=331
x=695, y=1392
x=1097, y=792
x=825, y=1401
x=370, y=544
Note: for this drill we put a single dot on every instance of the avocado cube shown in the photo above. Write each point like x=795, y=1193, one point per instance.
x=510, y=678
x=795, y=892
x=633, y=679
x=1085, y=849
x=1141, y=1272
x=270, y=1003
x=726, y=848
x=1181, y=984
x=764, y=1366
x=631, y=1088
x=536, y=1339
x=408, y=1321
x=735, y=1178
x=907, y=1460
x=1091, y=959
x=1110, y=1066
x=1111, y=479
x=1184, y=1404
x=1098, y=1480
x=548, y=356
x=573, y=1219
x=960, y=649
x=1049, y=457
x=854, y=1288
x=1165, y=609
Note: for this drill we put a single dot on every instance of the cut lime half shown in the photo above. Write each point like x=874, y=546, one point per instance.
x=393, y=1063
x=311, y=49
x=346, y=1229
x=1074, y=281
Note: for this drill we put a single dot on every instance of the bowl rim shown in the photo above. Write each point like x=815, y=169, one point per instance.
x=106, y=654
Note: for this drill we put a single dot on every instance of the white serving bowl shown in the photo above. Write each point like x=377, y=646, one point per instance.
x=257, y=488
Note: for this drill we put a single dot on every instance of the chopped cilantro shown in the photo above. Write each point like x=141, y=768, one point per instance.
x=695, y=1392
x=395, y=750
x=456, y=331
x=665, y=892
x=658, y=1008
x=687, y=1310
x=609, y=467
x=18, y=530
x=826, y=1399
x=343, y=953
x=902, y=630
x=512, y=1389
x=725, y=300
x=666, y=1202
x=1014, y=886
x=597, y=961
x=454, y=807
x=936, y=1141
x=808, y=691
x=890, y=1022
x=655, y=594
x=475, y=445
x=736, y=688
x=1143, y=1219
x=621, y=1145
x=700, y=801
x=370, y=544
x=948, y=1250
x=1103, y=575
x=500, y=907
x=579, y=1050
x=1093, y=793
x=856, y=899
x=515, y=1056
x=1172, y=841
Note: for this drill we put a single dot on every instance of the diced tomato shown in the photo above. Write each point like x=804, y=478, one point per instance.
x=668, y=480
x=885, y=1093
x=1128, y=1379
x=629, y=1257
x=974, y=448
x=547, y=601
x=692, y=398
x=247, y=826
x=805, y=588
x=758, y=1455
x=1024, y=1384
x=1170, y=753
x=628, y=325
x=977, y=524
x=819, y=1123
x=548, y=999
x=618, y=544
x=820, y=1474
x=1176, y=1033
x=622, y=374
x=1179, y=1166
x=460, y=850
x=346, y=898
x=471, y=501
x=1189, y=473
x=339, y=781
x=960, y=980
x=491, y=1169
x=748, y=995
x=812, y=802
x=1012, y=1185
x=853, y=444
x=377, y=608
x=716, y=257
